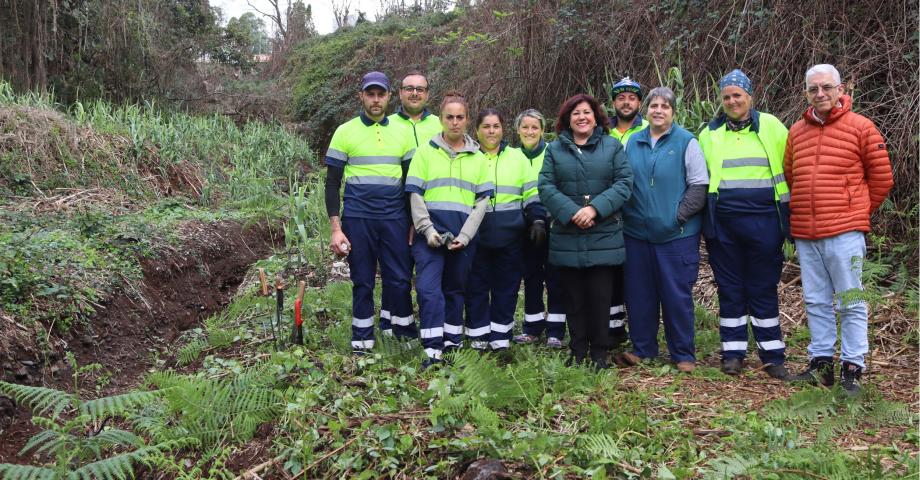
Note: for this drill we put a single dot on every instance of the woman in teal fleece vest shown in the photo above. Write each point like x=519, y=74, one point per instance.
x=662, y=229
x=584, y=183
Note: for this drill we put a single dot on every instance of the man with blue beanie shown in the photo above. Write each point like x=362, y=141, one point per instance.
x=626, y=99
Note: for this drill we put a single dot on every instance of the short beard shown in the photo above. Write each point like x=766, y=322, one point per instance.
x=410, y=112
x=627, y=118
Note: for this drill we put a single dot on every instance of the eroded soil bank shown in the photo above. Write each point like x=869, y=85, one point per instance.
x=138, y=326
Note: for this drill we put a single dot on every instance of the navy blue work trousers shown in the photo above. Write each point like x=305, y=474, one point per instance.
x=660, y=279
x=382, y=242
x=492, y=294
x=440, y=280
x=746, y=256
x=537, y=273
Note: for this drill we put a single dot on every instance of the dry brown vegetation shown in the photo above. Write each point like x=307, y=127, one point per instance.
x=517, y=55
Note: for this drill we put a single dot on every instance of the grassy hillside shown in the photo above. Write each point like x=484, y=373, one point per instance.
x=85, y=191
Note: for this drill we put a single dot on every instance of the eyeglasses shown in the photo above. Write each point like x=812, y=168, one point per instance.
x=813, y=90
x=410, y=89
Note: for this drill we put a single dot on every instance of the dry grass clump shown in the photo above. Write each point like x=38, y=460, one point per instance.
x=41, y=149
x=45, y=154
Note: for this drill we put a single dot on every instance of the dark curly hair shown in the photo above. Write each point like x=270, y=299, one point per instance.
x=562, y=122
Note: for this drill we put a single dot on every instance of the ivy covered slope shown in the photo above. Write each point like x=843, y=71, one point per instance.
x=87, y=190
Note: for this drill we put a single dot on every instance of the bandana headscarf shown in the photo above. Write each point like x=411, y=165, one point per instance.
x=739, y=79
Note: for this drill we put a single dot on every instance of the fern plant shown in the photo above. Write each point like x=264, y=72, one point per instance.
x=76, y=437
x=212, y=411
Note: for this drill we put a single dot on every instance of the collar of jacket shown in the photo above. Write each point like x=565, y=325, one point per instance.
x=501, y=148
x=722, y=118
x=469, y=145
x=402, y=114
x=367, y=121
x=645, y=135
x=846, y=104
x=532, y=154
x=637, y=120
x=567, y=138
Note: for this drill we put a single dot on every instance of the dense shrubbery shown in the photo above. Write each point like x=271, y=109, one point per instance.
x=516, y=55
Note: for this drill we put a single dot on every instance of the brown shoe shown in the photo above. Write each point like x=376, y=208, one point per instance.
x=686, y=367
x=629, y=358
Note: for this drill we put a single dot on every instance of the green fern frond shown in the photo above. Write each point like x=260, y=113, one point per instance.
x=886, y=412
x=601, y=446
x=190, y=352
x=117, y=404
x=164, y=379
x=26, y=472
x=217, y=410
x=808, y=406
x=44, y=440
x=484, y=417
x=121, y=466
x=116, y=437
x=38, y=399
x=151, y=420
x=220, y=337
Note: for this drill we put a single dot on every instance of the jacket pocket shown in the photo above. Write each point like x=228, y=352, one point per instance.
x=662, y=227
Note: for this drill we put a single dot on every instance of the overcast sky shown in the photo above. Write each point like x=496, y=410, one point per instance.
x=322, y=10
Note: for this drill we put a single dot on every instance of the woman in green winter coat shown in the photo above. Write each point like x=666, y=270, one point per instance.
x=584, y=183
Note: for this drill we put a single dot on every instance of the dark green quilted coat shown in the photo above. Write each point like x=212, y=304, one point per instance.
x=600, y=170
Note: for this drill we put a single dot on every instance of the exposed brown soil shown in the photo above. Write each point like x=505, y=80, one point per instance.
x=138, y=326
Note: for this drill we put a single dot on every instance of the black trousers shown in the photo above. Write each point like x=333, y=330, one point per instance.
x=588, y=293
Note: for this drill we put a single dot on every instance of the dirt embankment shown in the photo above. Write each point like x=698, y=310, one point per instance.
x=140, y=325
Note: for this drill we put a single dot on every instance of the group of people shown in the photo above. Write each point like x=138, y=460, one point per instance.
x=607, y=220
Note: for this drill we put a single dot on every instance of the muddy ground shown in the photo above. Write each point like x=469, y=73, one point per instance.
x=139, y=325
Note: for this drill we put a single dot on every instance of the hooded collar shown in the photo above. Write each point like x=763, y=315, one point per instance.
x=846, y=104
x=532, y=154
x=368, y=122
x=402, y=114
x=722, y=119
x=469, y=145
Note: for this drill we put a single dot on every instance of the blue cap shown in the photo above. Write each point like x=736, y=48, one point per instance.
x=739, y=79
x=626, y=84
x=375, y=79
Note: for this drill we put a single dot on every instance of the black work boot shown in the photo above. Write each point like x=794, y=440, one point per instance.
x=820, y=370
x=850, y=375
x=618, y=337
x=732, y=366
x=777, y=371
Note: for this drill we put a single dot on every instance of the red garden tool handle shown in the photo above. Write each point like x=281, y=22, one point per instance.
x=298, y=319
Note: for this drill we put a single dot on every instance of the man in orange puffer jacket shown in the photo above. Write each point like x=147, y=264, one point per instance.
x=837, y=168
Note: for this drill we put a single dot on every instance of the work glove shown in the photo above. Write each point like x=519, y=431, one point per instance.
x=434, y=239
x=537, y=233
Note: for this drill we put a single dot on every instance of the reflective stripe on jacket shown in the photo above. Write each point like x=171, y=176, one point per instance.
x=515, y=190
x=372, y=155
x=449, y=185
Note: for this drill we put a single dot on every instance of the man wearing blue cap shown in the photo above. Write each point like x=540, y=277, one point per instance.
x=372, y=155
x=745, y=224
x=626, y=99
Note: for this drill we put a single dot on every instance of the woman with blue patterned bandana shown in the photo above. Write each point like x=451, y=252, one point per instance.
x=746, y=222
